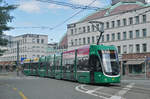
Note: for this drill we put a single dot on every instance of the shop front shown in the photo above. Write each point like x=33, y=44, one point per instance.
x=136, y=65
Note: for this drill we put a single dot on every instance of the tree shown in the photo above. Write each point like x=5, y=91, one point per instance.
x=5, y=17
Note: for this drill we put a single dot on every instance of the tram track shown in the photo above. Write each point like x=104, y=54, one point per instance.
x=134, y=89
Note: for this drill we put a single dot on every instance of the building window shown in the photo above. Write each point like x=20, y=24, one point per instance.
x=138, y=48
x=144, y=18
x=97, y=27
x=124, y=49
x=93, y=39
x=118, y=36
x=130, y=34
x=137, y=20
x=130, y=48
x=124, y=35
x=93, y=28
x=144, y=46
x=88, y=40
x=72, y=42
x=102, y=38
x=79, y=41
x=38, y=55
x=118, y=23
x=124, y=22
x=75, y=30
x=33, y=40
x=107, y=37
x=97, y=37
x=130, y=20
x=107, y=25
x=88, y=28
x=76, y=41
x=38, y=41
x=112, y=24
x=71, y=31
x=144, y=32
x=84, y=42
x=113, y=36
x=119, y=49
x=79, y=30
x=84, y=30
x=42, y=41
x=137, y=33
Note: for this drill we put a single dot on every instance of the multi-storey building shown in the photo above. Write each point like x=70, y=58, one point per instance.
x=30, y=46
x=9, y=39
x=54, y=48
x=126, y=25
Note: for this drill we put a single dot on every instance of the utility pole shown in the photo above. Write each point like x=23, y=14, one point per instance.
x=17, y=53
x=100, y=30
x=145, y=66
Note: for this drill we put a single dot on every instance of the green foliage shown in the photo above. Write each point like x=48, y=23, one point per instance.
x=5, y=17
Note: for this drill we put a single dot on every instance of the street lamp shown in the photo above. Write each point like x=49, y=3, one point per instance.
x=100, y=30
x=145, y=65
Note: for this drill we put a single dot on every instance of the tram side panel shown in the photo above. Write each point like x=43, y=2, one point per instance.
x=83, y=72
x=58, y=66
x=68, y=63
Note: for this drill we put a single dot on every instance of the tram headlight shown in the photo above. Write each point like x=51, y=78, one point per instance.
x=113, y=78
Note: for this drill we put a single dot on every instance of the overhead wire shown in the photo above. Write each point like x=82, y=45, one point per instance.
x=72, y=16
x=51, y=28
x=73, y=6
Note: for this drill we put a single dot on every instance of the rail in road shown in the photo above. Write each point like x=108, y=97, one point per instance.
x=114, y=91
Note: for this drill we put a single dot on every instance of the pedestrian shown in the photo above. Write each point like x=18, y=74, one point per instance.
x=17, y=70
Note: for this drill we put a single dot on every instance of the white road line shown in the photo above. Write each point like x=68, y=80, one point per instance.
x=81, y=88
x=91, y=91
x=78, y=89
x=120, y=94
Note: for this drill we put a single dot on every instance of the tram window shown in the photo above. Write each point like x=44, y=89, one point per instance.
x=83, y=64
x=112, y=54
x=95, y=63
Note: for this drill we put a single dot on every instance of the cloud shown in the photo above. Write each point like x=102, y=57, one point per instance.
x=148, y=1
x=86, y=2
x=30, y=6
x=36, y=6
x=54, y=6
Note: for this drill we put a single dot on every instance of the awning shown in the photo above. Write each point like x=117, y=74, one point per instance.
x=134, y=62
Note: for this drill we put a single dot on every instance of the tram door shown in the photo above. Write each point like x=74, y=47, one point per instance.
x=94, y=66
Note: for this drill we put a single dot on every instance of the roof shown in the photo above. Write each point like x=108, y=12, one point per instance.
x=115, y=9
x=134, y=62
x=64, y=41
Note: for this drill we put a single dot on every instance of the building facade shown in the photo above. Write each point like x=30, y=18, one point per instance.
x=62, y=46
x=30, y=46
x=126, y=25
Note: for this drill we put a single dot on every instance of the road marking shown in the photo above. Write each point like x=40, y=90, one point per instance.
x=120, y=94
x=15, y=89
x=22, y=95
x=93, y=92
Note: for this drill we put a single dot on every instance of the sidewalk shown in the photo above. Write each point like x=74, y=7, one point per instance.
x=12, y=74
x=141, y=77
x=140, y=80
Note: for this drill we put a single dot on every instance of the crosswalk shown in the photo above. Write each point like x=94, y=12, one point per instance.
x=105, y=92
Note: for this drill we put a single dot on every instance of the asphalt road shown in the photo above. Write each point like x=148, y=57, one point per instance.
x=12, y=87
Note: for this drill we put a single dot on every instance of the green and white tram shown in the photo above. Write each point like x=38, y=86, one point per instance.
x=89, y=64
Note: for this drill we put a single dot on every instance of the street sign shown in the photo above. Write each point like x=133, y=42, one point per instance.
x=22, y=59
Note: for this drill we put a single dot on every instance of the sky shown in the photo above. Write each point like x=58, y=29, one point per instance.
x=32, y=13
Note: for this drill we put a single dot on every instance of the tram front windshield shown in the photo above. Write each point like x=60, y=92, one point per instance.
x=110, y=62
